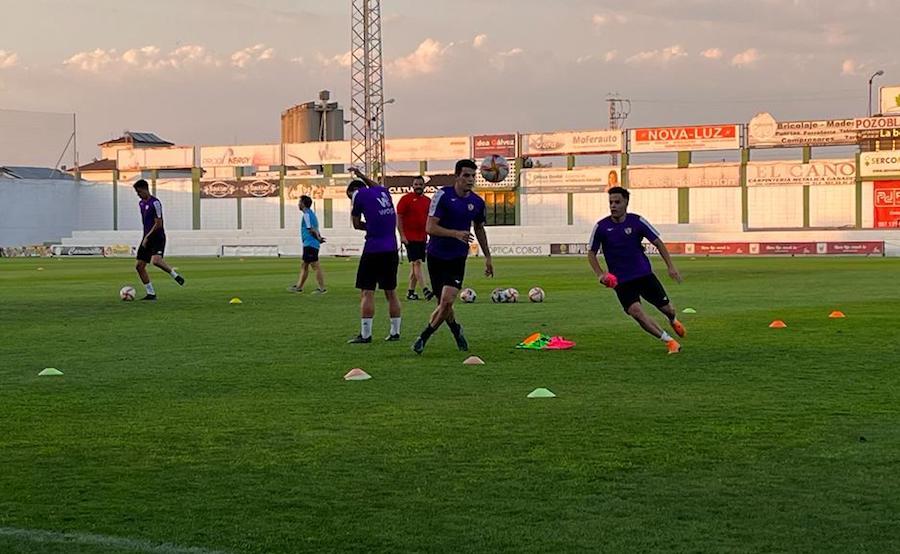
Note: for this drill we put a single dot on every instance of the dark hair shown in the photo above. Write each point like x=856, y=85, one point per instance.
x=619, y=190
x=354, y=186
x=464, y=164
x=419, y=178
x=141, y=184
x=306, y=201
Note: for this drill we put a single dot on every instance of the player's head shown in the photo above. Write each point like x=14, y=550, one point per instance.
x=142, y=189
x=465, y=174
x=418, y=184
x=305, y=203
x=618, y=201
x=354, y=186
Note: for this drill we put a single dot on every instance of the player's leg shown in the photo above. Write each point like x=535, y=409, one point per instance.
x=389, y=264
x=141, y=267
x=437, y=274
x=629, y=294
x=320, y=275
x=157, y=249
x=366, y=282
x=420, y=279
x=411, y=289
x=304, y=275
x=656, y=294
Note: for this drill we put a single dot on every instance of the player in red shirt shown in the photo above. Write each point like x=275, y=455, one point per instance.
x=412, y=214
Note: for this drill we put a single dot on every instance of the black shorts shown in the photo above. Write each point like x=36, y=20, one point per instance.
x=449, y=273
x=310, y=254
x=647, y=287
x=378, y=268
x=156, y=246
x=415, y=250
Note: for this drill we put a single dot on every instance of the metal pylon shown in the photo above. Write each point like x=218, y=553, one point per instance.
x=366, y=88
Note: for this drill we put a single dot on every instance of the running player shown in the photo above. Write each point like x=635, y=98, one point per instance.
x=629, y=272
x=454, y=210
x=153, y=245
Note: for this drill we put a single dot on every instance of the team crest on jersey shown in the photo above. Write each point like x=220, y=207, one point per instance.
x=627, y=230
x=471, y=207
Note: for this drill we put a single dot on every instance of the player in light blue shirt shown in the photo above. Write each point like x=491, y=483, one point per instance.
x=312, y=240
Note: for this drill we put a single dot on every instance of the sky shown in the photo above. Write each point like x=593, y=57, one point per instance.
x=217, y=72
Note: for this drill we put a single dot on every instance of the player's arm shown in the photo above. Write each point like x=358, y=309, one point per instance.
x=362, y=177
x=664, y=253
x=433, y=228
x=481, y=235
x=358, y=223
x=400, y=209
x=606, y=279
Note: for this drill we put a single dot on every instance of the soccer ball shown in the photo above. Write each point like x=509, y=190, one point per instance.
x=536, y=294
x=126, y=293
x=494, y=168
x=499, y=296
x=512, y=295
x=467, y=295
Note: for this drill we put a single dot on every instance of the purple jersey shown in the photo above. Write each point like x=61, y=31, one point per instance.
x=375, y=206
x=151, y=208
x=622, y=246
x=457, y=213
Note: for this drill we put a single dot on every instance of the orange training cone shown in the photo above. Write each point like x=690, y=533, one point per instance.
x=836, y=314
x=777, y=324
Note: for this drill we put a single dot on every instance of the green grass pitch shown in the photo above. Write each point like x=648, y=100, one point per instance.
x=192, y=423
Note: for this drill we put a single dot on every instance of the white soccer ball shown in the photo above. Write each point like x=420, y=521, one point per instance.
x=536, y=294
x=494, y=168
x=127, y=293
x=467, y=295
x=512, y=295
x=498, y=296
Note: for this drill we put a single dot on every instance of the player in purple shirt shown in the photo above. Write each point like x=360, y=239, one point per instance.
x=451, y=216
x=373, y=212
x=153, y=245
x=629, y=272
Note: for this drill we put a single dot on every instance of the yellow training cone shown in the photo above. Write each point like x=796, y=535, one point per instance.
x=235, y=300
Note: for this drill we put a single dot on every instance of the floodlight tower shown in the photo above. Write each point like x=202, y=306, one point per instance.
x=366, y=88
x=619, y=108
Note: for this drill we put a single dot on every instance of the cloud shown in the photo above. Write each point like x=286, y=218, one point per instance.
x=8, y=59
x=252, y=55
x=836, y=34
x=424, y=60
x=607, y=57
x=339, y=60
x=850, y=67
x=712, y=53
x=146, y=58
x=601, y=19
x=663, y=56
x=479, y=41
x=499, y=59
x=748, y=57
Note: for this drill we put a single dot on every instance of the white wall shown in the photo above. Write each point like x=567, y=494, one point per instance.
x=218, y=213
x=36, y=211
x=261, y=213
x=544, y=209
x=713, y=205
x=832, y=206
x=775, y=207
x=95, y=206
x=658, y=206
x=589, y=208
x=129, y=207
x=175, y=196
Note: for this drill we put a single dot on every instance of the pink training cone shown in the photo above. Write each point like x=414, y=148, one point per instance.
x=559, y=343
x=356, y=374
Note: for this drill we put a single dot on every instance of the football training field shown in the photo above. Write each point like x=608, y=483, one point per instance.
x=193, y=425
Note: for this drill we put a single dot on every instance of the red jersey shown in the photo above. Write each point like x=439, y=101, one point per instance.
x=414, y=211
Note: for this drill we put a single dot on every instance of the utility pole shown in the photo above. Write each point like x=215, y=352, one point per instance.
x=619, y=108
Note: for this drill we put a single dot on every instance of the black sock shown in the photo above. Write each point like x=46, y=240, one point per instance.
x=426, y=334
x=411, y=291
x=455, y=328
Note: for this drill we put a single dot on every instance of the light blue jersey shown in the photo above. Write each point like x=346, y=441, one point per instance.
x=308, y=222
